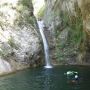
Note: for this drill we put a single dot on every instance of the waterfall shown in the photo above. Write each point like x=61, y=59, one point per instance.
x=45, y=44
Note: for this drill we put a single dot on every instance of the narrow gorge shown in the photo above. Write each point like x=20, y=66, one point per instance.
x=44, y=44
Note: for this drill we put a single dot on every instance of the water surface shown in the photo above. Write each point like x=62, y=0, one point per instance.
x=46, y=79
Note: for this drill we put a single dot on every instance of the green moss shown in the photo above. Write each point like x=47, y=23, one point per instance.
x=27, y=3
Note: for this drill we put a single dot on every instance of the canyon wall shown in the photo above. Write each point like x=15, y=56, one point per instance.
x=20, y=45
x=68, y=22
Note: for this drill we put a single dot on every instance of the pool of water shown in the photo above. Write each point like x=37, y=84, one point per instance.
x=46, y=79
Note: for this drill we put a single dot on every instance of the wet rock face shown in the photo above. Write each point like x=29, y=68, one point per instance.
x=19, y=42
x=68, y=22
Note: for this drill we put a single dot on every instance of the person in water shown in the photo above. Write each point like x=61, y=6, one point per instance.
x=72, y=76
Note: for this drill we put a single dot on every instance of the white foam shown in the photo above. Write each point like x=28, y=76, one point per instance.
x=48, y=66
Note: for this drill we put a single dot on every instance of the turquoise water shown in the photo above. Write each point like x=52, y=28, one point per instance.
x=46, y=79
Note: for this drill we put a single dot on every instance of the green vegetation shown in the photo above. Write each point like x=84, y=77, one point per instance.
x=25, y=13
x=75, y=35
x=40, y=14
x=5, y=51
x=11, y=42
x=26, y=3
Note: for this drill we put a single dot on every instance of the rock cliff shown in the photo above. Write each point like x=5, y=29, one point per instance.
x=68, y=22
x=20, y=46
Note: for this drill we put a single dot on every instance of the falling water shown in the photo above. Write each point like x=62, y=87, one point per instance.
x=46, y=47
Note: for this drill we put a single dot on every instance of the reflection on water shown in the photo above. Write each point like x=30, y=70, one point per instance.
x=47, y=82
x=46, y=79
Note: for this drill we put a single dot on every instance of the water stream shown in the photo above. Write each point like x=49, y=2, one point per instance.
x=46, y=47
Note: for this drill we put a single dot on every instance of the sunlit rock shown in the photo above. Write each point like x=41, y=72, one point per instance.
x=5, y=67
x=19, y=40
